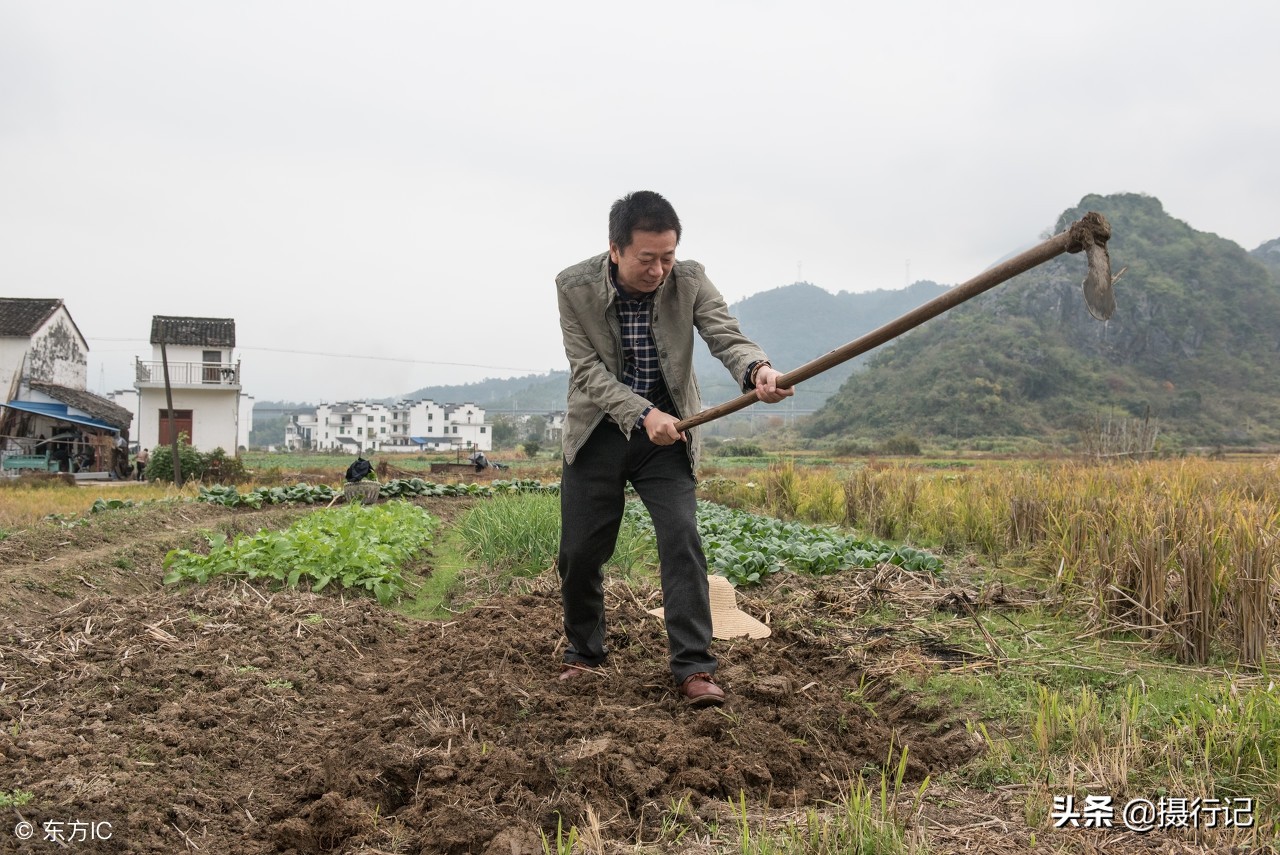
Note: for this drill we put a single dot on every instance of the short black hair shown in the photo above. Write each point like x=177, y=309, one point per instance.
x=643, y=210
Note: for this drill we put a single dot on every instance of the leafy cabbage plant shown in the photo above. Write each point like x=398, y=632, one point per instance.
x=748, y=547
x=353, y=546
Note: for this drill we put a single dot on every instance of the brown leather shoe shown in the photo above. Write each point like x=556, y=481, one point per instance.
x=574, y=670
x=700, y=690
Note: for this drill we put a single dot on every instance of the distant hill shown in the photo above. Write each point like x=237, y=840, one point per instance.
x=1269, y=255
x=800, y=322
x=1193, y=343
x=543, y=392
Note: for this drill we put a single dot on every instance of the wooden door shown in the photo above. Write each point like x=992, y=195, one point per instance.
x=182, y=421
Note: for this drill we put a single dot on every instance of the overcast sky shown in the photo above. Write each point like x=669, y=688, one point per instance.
x=403, y=180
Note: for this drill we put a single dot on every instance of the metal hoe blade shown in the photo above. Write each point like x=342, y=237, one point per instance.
x=1092, y=237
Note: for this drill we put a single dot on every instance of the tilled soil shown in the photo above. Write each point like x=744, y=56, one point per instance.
x=228, y=718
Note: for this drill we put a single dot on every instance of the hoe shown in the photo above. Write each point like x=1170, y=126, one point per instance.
x=1089, y=234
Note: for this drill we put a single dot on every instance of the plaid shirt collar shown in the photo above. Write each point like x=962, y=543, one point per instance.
x=642, y=374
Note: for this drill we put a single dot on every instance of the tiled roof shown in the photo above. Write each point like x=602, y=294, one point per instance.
x=100, y=408
x=22, y=316
x=209, y=332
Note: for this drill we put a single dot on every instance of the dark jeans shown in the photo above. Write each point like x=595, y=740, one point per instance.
x=591, y=504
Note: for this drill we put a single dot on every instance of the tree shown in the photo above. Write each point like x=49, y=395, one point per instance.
x=267, y=430
x=504, y=431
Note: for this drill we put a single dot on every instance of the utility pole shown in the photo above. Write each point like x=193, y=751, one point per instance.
x=173, y=425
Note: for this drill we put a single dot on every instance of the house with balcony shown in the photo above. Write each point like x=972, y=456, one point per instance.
x=44, y=362
x=420, y=426
x=299, y=430
x=356, y=427
x=466, y=422
x=360, y=427
x=203, y=377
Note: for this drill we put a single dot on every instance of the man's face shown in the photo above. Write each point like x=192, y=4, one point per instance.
x=645, y=263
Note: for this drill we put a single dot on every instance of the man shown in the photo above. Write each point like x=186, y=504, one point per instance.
x=628, y=317
x=120, y=467
x=60, y=448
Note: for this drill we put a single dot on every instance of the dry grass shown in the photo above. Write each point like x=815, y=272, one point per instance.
x=24, y=502
x=1182, y=553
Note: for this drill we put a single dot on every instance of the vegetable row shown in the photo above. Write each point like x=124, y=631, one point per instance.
x=748, y=547
x=399, y=488
x=353, y=546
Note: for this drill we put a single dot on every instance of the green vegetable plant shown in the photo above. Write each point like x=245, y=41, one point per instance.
x=14, y=798
x=101, y=505
x=230, y=497
x=399, y=488
x=747, y=547
x=353, y=546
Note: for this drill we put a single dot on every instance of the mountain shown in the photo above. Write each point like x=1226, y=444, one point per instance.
x=1192, y=344
x=1269, y=255
x=800, y=322
x=539, y=392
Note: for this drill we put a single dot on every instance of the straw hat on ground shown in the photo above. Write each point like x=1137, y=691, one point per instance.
x=727, y=620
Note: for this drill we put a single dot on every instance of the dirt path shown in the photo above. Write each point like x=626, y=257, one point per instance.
x=117, y=552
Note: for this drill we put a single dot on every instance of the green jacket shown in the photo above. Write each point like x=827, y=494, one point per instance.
x=593, y=344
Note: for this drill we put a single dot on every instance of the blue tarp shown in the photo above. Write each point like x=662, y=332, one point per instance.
x=61, y=413
x=433, y=440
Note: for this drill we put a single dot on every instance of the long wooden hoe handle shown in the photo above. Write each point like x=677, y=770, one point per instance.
x=1089, y=233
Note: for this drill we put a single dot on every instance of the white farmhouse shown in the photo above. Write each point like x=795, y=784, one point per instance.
x=359, y=427
x=356, y=427
x=204, y=377
x=128, y=398
x=466, y=421
x=44, y=363
x=299, y=430
x=419, y=426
